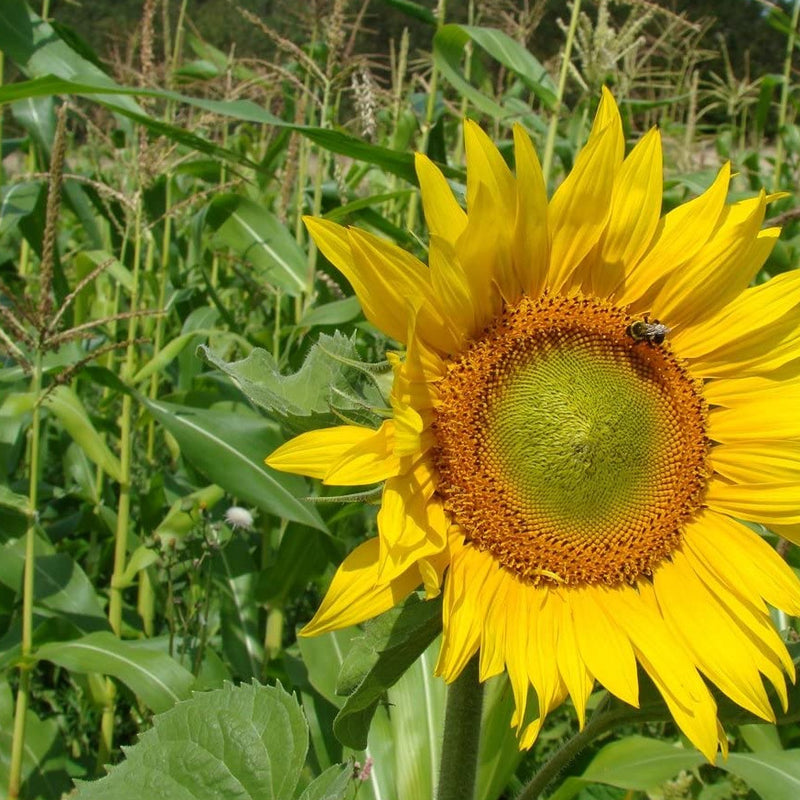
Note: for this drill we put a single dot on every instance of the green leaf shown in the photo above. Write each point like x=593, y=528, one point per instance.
x=17, y=502
x=38, y=50
x=334, y=313
x=60, y=587
x=329, y=378
x=499, y=754
x=44, y=745
x=302, y=556
x=323, y=657
x=633, y=763
x=141, y=558
x=333, y=784
x=155, y=677
x=171, y=350
x=761, y=736
x=236, y=576
x=229, y=449
x=415, y=10
x=391, y=644
x=19, y=201
x=256, y=235
x=239, y=743
x=448, y=48
x=65, y=404
x=773, y=775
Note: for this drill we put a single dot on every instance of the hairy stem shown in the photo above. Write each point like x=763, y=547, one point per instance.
x=602, y=721
x=462, y=733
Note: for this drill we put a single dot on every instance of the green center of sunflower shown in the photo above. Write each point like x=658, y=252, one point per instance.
x=569, y=450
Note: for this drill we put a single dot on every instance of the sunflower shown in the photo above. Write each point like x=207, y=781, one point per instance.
x=590, y=406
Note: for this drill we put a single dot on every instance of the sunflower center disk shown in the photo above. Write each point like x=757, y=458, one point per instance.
x=568, y=450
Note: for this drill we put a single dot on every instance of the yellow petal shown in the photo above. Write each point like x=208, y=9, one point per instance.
x=452, y=287
x=635, y=212
x=444, y=216
x=603, y=645
x=717, y=646
x=580, y=206
x=669, y=666
x=313, y=453
x=523, y=601
x=354, y=594
x=370, y=461
x=758, y=461
x=725, y=544
x=719, y=272
x=495, y=599
x=719, y=338
x=531, y=233
x=743, y=559
x=755, y=410
x=485, y=258
x=412, y=525
x=461, y=611
x=381, y=299
x=756, y=502
x=571, y=666
x=485, y=166
x=679, y=237
x=395, y=277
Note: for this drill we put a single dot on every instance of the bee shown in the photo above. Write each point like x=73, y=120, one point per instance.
x=643, y=330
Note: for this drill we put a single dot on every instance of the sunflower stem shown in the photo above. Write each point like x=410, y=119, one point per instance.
x=462, y=733
x=603, y=720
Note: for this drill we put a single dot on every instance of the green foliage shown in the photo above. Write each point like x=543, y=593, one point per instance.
x=247, y=742
x=170, y=325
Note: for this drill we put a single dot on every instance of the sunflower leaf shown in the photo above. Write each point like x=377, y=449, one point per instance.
x=376, y=661
x=247, y=742
x=330, y=380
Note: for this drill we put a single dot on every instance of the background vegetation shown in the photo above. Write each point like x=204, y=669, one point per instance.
x=166, y=323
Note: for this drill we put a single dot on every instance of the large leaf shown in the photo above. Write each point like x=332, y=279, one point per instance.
x=774, y=775
x=38, y=50
x=331, y=377
x=60, y=587
x=448, y=48
x=239, y=743
x=391, y=644
x=333, y=784
x=257, y=236
x=67, y=406
x=229, y=449
x=156, y=677
x=634, y=763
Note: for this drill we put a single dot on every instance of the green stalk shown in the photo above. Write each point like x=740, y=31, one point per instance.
x=550, y=144
x=462, y=733
x=322, y=155
x=124, y=504
x=2, y=64
x=602, y=720
x=413, y=204
x=459, y=151
x=787, y=73
x=21, y=710
x=158, y=338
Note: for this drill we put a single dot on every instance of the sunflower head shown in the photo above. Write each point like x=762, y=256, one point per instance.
x=581, y=421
